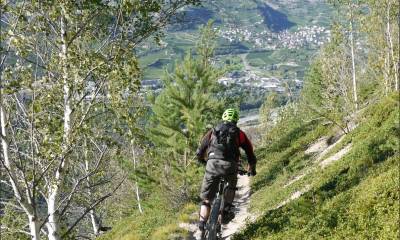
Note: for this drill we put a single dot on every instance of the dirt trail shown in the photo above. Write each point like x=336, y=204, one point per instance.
x=242, y=215
x=241, y=202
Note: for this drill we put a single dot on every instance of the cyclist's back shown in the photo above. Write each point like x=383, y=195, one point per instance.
x=221, y=146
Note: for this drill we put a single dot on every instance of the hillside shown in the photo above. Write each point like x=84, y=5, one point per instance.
x=316, y=183
x=106, y=108
x=328, y=155
x=313, y=182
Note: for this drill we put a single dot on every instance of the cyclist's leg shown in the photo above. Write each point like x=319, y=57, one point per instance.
x=209, y=188
x=228, y=212
x=229, y=195
x=230, y=191
x=204, y=213
x=231, y=178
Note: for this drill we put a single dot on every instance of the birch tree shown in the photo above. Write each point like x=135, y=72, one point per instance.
x=57, y=56
x=328, y=89
x=351, y=10
x=381, y=26
x=352, y=50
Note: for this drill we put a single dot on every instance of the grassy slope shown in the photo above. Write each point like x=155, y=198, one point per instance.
x=159, y=222
x=356, y=197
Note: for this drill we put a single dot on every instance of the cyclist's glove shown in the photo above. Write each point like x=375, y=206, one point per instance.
x=252, y=170
x=200, y=158
x=201, y=161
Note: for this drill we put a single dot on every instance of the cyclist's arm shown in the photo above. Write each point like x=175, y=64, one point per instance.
x=246, y=145
x=204, y=145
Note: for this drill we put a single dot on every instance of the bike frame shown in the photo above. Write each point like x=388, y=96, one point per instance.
x=214, y=223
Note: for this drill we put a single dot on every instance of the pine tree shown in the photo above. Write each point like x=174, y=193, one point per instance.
x=184, y=108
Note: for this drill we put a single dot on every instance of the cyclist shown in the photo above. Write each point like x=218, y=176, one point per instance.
x=221, y=146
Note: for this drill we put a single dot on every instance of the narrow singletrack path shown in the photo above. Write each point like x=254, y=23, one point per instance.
x=241, y=202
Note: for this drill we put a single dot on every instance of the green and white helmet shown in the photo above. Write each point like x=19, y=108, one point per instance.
x=230, y=115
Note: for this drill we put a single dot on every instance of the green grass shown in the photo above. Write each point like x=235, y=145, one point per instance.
x=356, y=197
x=153, y=73
x=161, y=215
x=264, y=56
x=141, y=226
x=280, y=62
x=154, y=65
x=158, y=223
x=283, y=158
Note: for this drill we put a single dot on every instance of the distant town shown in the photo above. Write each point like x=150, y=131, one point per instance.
x=308, y=36
x=311, y=36
x=251, y=79
x=239, y=78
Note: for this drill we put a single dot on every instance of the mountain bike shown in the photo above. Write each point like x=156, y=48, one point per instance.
x=213, y=227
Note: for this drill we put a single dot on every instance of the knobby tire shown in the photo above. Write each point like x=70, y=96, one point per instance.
x=213, y=222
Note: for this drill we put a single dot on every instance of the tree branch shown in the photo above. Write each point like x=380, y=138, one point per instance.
x=91, y=207
x=77, y=183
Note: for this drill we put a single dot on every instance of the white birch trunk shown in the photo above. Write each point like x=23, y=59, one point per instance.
x=34, y=227
x=391, y=50
x=386, y=73
x=53, y=224
x=26, y=205
x=95, y=222
x=353, y=65
x=94, y=219
x=138, y=198
x=136, y=183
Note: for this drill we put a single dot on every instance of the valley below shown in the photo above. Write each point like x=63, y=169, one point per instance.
x=264, y=46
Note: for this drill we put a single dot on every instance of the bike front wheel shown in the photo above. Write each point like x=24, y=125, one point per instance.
x=213, y=222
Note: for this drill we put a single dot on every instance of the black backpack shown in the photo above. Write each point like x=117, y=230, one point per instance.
x=224, y=142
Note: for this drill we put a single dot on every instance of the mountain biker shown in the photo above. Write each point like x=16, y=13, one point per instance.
x=221, y=146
